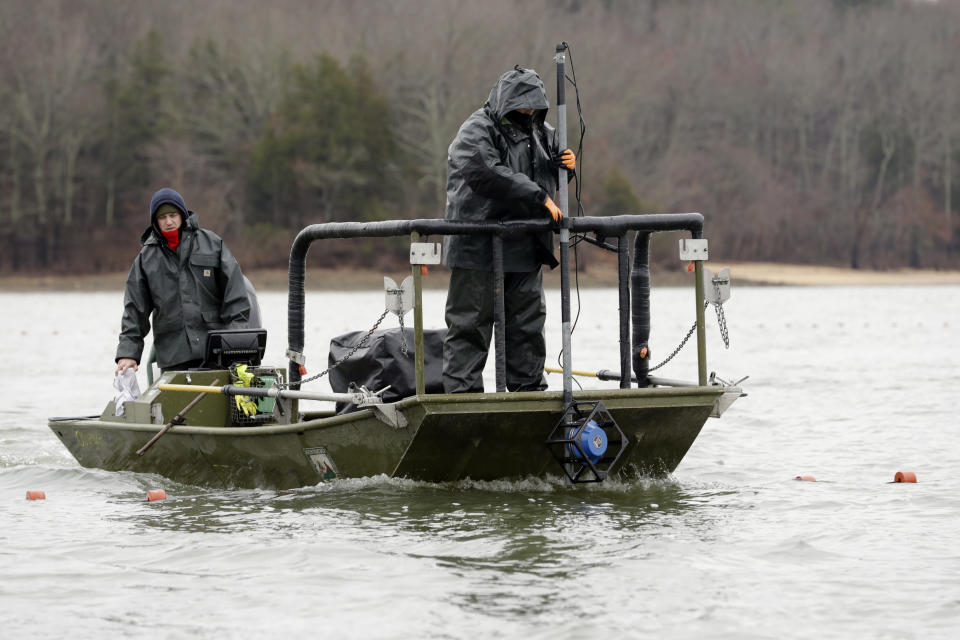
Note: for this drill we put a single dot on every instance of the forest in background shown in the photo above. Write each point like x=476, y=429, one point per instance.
x=811, y=131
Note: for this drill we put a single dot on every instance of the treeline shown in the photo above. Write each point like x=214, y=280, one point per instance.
x=822, y=131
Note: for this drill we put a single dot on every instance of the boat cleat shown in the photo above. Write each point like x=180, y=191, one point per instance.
x=731, y=391
x=363, y=397
x=385, y=412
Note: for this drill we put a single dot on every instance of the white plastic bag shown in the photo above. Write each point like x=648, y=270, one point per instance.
x=127, y=389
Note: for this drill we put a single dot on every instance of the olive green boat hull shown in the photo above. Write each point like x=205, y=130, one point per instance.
x=446, y=437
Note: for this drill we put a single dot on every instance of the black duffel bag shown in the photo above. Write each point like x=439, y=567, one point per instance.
x=380, y=362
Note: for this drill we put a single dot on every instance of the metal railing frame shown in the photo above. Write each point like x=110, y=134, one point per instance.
x=604, y=227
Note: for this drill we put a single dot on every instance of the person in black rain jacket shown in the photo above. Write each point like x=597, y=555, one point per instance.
x=184, y=280
x=502, y=165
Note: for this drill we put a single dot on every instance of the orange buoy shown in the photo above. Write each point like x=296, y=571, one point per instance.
x=807, y=478
x=156, y=494
x=423, y=270
x=303, y=370
x=690, y=267
x=905, y=476
x=33, y=494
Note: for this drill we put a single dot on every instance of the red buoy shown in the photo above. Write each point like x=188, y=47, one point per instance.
x=33, y=494
x=156, y=494
x=905, y=476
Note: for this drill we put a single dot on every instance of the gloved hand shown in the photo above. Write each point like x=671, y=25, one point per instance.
x=566, y=159
x=554, y=210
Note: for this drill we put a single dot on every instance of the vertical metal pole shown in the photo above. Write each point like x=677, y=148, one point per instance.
x=640, y=308
x=564, y=229
x=623, y=280
x=418, y=322
x=701, y=333
x=499, y=315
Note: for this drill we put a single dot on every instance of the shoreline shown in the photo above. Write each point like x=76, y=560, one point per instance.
x=777, y=274
x=598, y=275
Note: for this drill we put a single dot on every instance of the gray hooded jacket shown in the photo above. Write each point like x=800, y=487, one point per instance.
x=190, y=291
x=499, y=169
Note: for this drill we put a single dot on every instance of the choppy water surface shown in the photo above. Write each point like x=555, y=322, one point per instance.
x=849, y=385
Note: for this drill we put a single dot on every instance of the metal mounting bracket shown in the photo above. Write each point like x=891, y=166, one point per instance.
x=399, y=300
x=693, y=249
x=716, y=288
x=424, y=253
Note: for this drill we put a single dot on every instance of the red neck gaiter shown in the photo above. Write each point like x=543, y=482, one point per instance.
x=173, y=238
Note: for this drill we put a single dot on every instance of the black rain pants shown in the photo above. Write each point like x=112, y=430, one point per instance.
x=469, y=316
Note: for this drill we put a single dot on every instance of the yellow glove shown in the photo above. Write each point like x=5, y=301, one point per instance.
x=244, y=403
x=243, y=378
x=554, y=210
x=568, y=159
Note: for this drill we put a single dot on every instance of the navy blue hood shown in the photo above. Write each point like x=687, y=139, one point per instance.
x=166, y=196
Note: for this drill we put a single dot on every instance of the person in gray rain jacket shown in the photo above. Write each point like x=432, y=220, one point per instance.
x=503, y=165
x=187, y=279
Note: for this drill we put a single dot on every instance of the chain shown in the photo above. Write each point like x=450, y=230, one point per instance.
x=336, y=364
x=679, y=347
x=403, y=333
x=721, y=320
x=376, y=325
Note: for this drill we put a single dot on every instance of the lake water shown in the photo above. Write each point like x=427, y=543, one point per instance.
x=849, y=385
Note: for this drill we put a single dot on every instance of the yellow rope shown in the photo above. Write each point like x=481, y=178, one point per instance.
x=572, y=372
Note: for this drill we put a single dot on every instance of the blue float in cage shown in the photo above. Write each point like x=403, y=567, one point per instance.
x=593, y=441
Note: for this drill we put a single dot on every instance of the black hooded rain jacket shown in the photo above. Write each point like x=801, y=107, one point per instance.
x=190, y=291
x=502, y=169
